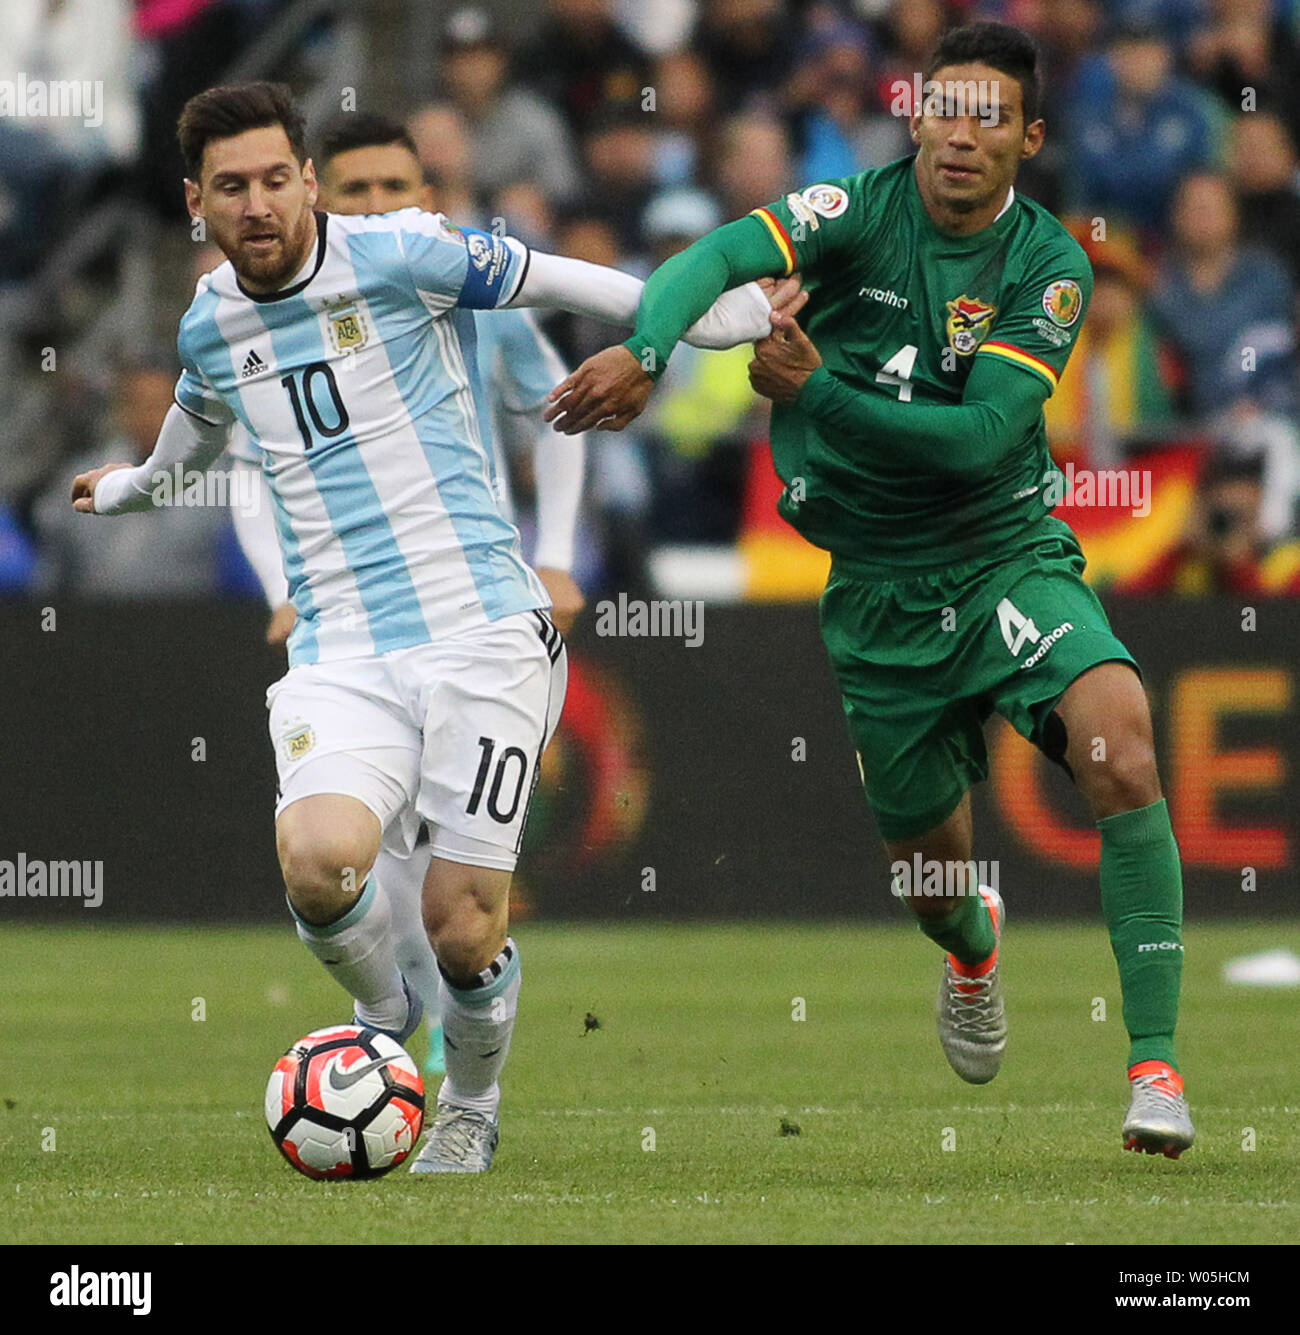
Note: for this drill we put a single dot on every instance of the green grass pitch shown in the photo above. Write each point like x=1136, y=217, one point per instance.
x=158, y=1133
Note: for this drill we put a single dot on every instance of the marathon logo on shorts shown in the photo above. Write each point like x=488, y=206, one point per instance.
x=1018, y=630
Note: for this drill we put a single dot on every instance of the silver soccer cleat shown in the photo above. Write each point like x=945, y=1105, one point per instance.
x=1158, y=1120
x=459, y=1141
x=972, y=1018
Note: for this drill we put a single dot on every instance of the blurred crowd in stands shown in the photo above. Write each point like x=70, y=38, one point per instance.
x=618, y=131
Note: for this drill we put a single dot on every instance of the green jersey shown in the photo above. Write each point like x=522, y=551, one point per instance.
x=920, y=442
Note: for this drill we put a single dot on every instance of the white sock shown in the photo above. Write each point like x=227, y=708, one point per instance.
x=357, y=952
x=477, y=1023
x=402, y=880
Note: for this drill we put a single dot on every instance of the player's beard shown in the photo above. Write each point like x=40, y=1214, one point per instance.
x=279, y=263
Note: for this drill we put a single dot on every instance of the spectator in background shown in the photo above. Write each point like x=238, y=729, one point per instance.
x=186, y=45
x=620, y=154
x=840, y=127
x=908, y=34
x=658, y=27
x=1225, y=549
x=17, y=554
x=49, y=162
x=176, y=551
x=1176, y=21
x=684, y=111
x=1067, y=31
x=696, y=430
x=523, y=212
x=1262, y=160
x=1228, y=310
x=1247, y=51
x=515, y=135
x=582, y=63
x=1135, y=129
x=754, y=163
x=1114, y=388
x=585, y=235
x=442, y=143
x=746, y=45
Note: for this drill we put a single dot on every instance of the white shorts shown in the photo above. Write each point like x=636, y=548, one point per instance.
x=449, y=733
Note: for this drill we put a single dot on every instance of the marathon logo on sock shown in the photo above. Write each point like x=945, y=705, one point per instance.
x=103, y=1288
x=1159, y=945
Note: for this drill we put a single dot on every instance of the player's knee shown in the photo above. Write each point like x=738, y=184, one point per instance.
x=1126, y=778
x=466, y=939
x=322, y=873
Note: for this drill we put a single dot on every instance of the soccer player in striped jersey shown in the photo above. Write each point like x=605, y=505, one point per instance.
x=368, y=164
x=425, y=677
x=908, y=429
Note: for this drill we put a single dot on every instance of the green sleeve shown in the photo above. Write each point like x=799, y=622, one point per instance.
x=1001, y=405
x=682, y=288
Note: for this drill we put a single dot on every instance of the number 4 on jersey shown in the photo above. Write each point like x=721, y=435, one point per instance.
x=1015, y=626
x=898, y=371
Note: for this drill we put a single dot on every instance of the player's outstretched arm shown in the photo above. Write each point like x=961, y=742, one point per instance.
x=184, y=439
x=611, y=388
x=1000, y=404
x=556, y=282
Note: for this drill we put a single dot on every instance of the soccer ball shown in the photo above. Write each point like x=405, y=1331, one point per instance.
x=345, y=1102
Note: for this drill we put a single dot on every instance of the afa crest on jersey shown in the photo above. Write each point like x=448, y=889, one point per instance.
x=969, y=321
x=348, y=329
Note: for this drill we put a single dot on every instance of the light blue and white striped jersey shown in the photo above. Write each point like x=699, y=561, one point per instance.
x=519, y=367
x=358, y=386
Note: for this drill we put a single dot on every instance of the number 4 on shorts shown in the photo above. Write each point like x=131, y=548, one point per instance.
x=1016, y=627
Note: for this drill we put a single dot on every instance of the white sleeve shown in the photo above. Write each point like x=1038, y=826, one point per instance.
x=255, y=529
x=558, y=463
x=555, y=281
x=183, y=439
x=741, y=315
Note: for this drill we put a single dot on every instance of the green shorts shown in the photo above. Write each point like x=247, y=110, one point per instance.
x=923, y=661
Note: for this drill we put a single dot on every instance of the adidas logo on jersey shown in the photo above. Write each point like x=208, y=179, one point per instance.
x=252, y=365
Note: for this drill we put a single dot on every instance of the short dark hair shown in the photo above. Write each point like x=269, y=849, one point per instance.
x=1001, y=47
x=362, y=129
x=231, y=109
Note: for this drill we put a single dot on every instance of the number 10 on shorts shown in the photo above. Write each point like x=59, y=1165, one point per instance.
x=508, y=776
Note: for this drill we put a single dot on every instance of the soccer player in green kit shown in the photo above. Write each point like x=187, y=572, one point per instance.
x=908, y=429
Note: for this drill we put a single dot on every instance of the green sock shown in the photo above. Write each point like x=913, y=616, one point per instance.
x=966, y=932
x=1142, y=902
